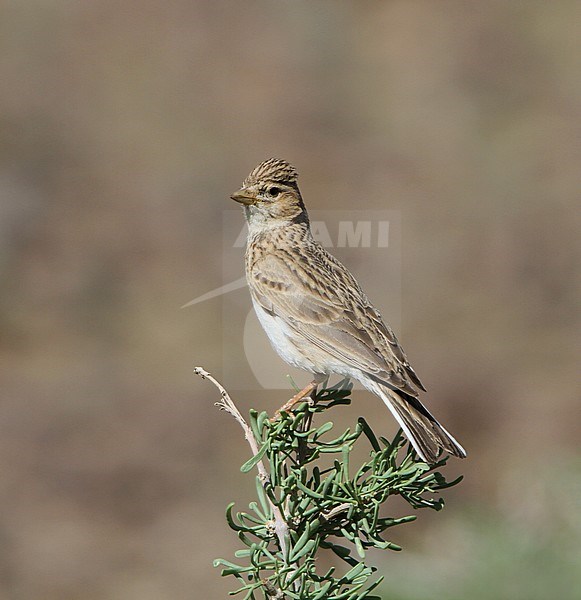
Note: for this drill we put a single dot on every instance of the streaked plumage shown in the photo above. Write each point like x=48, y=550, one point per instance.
x=314, y=312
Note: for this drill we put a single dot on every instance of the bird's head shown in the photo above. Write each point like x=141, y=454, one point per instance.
x=271, y=196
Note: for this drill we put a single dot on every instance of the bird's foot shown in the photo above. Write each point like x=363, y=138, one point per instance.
x=298, y=397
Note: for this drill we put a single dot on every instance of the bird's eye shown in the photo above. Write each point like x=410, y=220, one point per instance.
x=273, y=191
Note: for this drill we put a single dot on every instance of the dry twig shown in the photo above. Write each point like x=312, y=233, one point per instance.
x=226, y=404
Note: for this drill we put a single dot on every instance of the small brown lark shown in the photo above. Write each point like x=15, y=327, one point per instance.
x=316, y=315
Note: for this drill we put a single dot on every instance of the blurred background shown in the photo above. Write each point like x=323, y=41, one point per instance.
x=124, y=127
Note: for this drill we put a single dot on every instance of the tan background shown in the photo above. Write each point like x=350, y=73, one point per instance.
x=125, y=125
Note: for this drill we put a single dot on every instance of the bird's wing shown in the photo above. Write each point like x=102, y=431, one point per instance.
x=324, y=304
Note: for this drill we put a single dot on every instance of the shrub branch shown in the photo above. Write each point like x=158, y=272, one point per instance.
x=312, y=499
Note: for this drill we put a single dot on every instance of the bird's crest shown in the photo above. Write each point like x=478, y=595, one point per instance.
x=273, y=169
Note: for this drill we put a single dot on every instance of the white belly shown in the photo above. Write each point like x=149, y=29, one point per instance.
x=281, y=337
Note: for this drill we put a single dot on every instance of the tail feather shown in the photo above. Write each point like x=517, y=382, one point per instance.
x=427, y=436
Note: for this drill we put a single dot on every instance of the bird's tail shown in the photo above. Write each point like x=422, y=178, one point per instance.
x=427, y=436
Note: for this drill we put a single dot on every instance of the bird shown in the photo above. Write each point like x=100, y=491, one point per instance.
x=315, y=313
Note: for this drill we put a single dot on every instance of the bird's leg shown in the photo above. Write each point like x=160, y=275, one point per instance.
x=306, y=391
x=287, y=406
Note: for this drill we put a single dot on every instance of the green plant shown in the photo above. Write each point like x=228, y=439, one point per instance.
x=310, y=499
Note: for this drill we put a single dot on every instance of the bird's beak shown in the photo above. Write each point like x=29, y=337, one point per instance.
x=244, y=196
